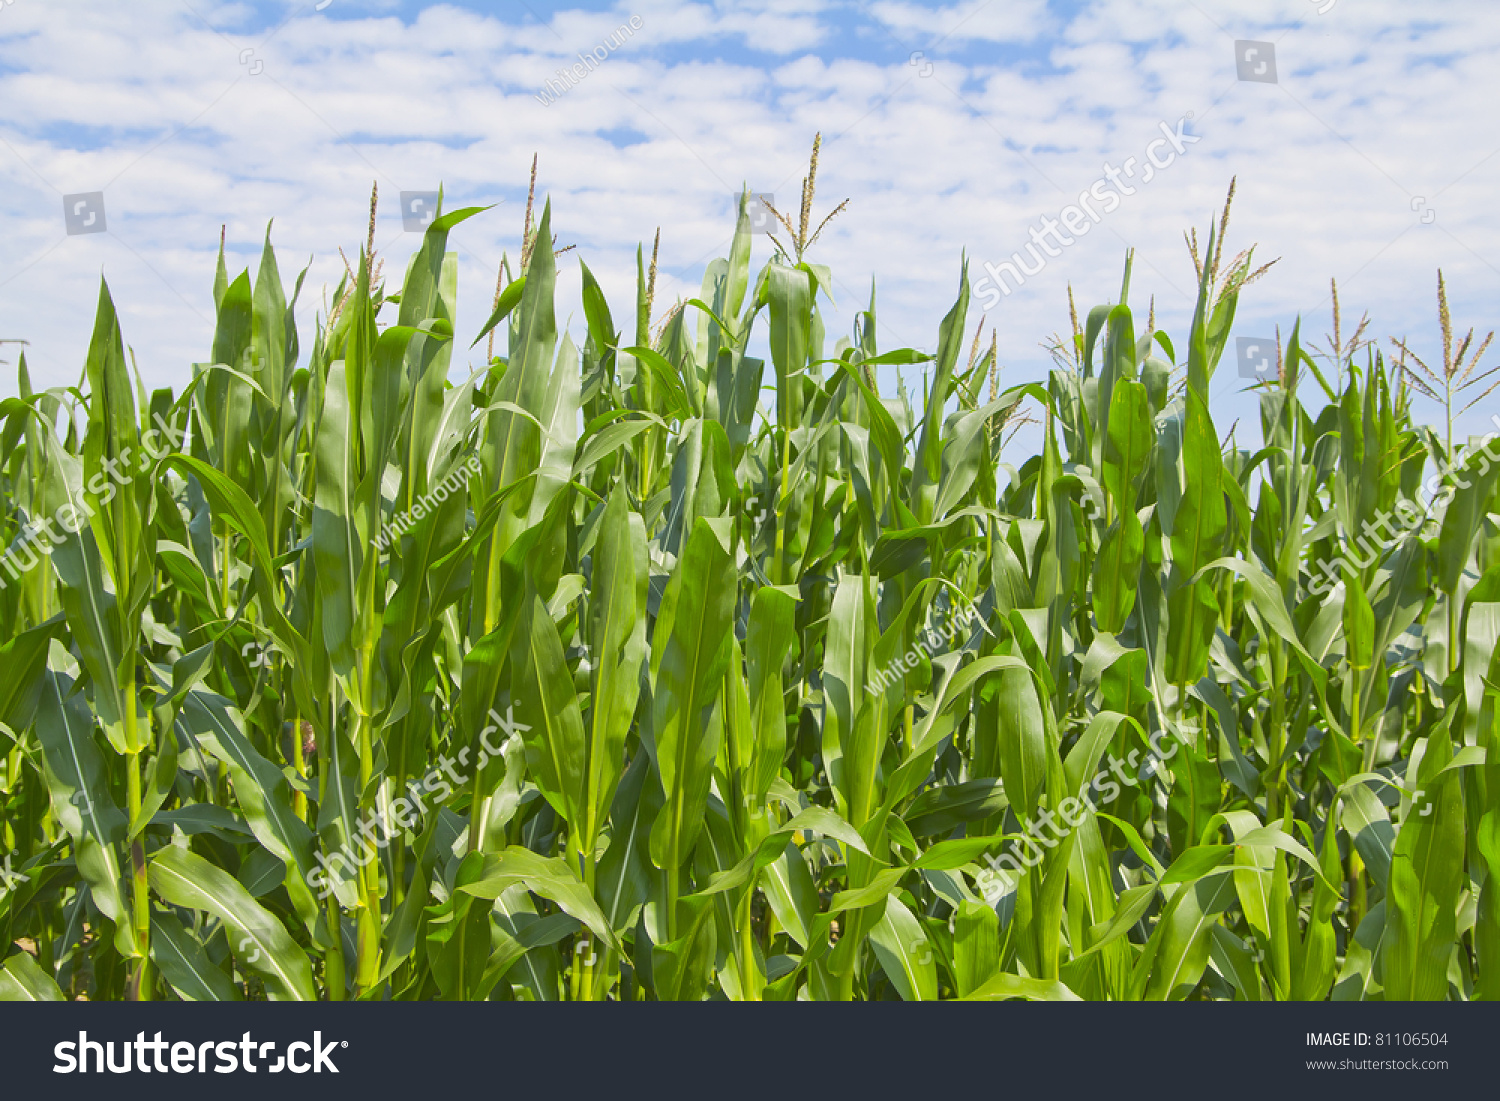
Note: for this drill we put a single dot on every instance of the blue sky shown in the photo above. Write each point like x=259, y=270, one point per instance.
x=953, y=129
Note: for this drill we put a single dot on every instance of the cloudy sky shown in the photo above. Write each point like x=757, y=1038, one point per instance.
x=1372, y=157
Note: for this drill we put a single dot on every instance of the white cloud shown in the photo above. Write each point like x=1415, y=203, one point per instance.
x=981, y=20
x=1379, y=105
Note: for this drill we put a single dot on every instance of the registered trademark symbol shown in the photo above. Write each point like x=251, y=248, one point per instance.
x=343, y=1043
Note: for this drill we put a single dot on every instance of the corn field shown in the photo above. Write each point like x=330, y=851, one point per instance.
x=648, y=669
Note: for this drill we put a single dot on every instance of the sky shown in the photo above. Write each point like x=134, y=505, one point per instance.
x=1363, y=138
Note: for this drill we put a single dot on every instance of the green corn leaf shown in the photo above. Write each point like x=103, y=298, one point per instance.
x=1182, y=937
x=690, y=651
x=1006, y=987
x=486, y=875
x=261, y=945
x=260, y=790
x=620, y=582
x=21, y=980
x=74, y=770
x=1426, y=877
x=557, y=755
x=769, y=638
x=905, y=950
x=185, y=964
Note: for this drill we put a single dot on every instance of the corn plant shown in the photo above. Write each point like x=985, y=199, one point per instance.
x=646, y=669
